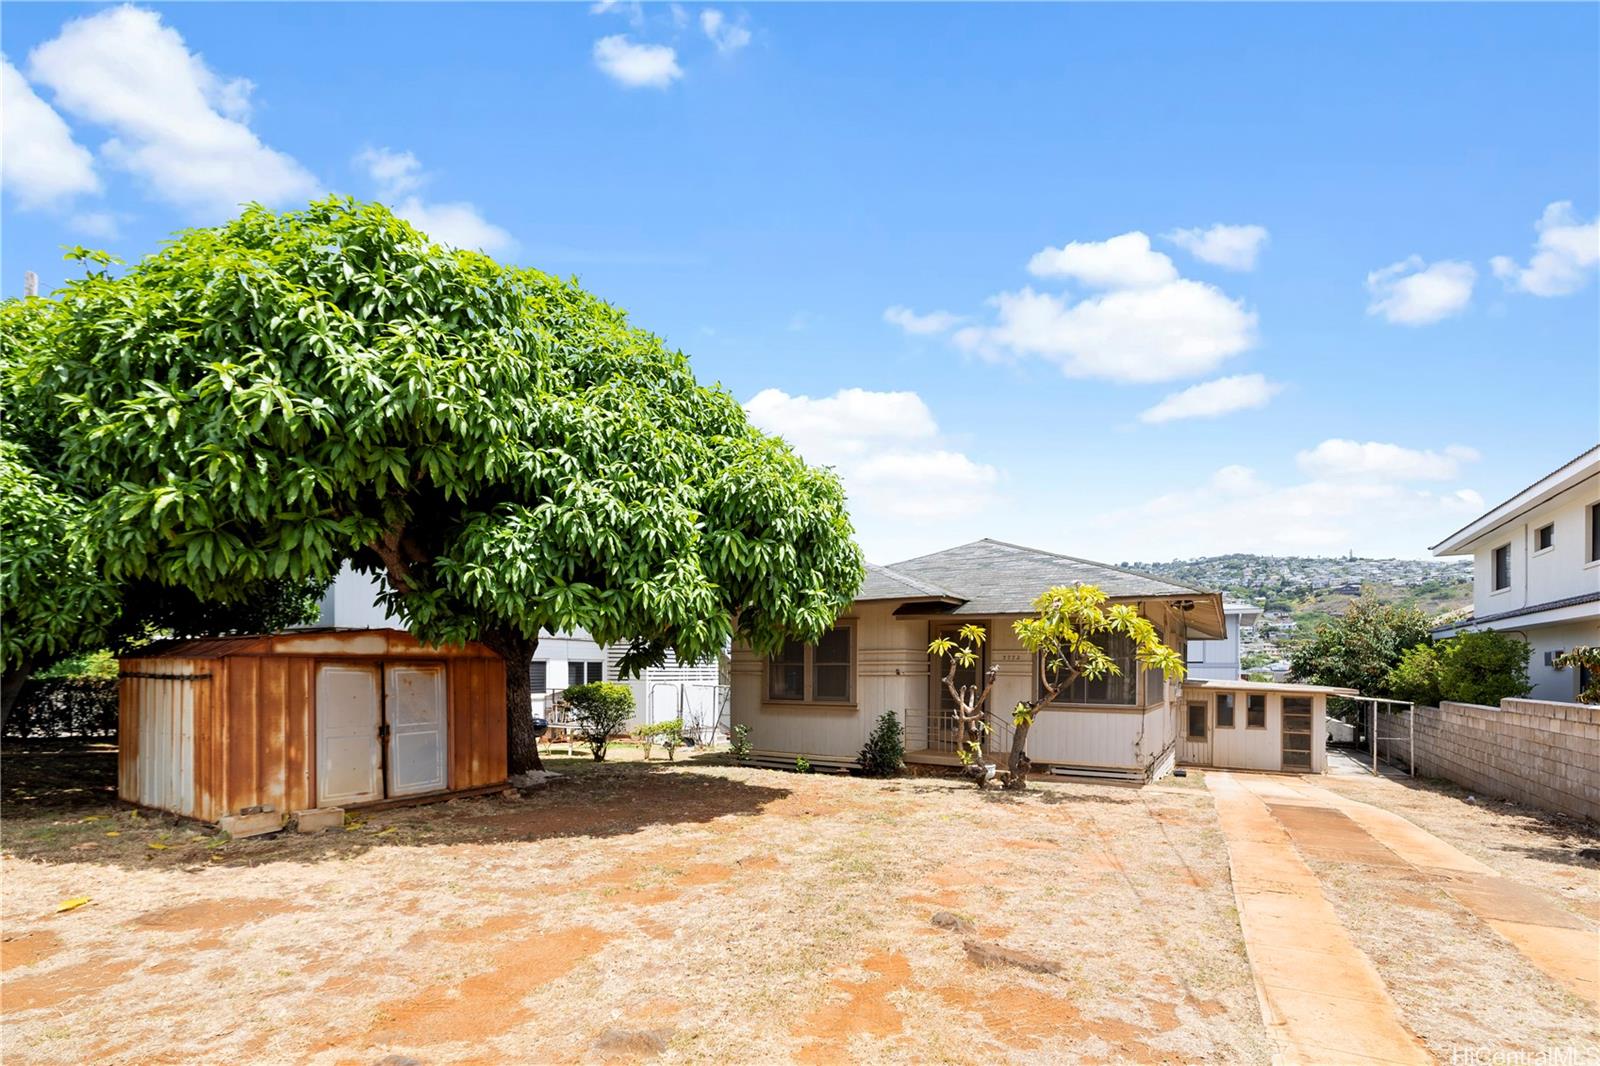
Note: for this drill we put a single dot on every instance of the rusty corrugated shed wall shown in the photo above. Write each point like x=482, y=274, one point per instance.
x=241, y=731
x=159, y=702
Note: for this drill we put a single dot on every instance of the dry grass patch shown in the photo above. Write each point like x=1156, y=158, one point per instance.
x=691, y=912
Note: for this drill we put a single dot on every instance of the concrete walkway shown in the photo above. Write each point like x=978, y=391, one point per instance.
x=1320, y=994
x=1311, y=978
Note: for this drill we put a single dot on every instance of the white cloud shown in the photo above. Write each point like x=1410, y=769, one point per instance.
x=633, y=11
x=1375, y=461
x=1230, y=247
x=1123, y=262
x=40, y=164
x=395, y=173
x=921, y=325
x=888, y=451
x=653, y=66
x=176, y=124
x=1413, y=293
x=105, y=225
x=1567, y=248
x=1212, y=399
x=1176, y=330
x=724, y=34
x=1236, y=510
x=457, y=224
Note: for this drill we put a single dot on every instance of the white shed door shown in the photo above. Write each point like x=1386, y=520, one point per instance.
x=349, y=763
x=415, y=702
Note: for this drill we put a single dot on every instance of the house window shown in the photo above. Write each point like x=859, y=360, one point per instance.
x=538, y=676
x=1544, y=538
x=1224, y=710
x=1113, y=690
x=585, y=673
x=1502, y=568
x=1594, y=532
x=823, y=672
x=1197, y=721
x=1255, y=712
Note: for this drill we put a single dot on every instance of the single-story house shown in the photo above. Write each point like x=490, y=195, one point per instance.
x=821, y=701
x=307, y=719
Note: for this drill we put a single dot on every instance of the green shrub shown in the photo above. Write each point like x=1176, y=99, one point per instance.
x=739, y=742
x=600, y=710
x=1415, y=677
x=1483, y=667
x=668, y=734
x=884, y=753
x=802, y=765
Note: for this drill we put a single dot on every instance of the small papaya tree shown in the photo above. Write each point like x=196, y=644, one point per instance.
x=1586, y=659
x=971, y=717
x=1064, y=638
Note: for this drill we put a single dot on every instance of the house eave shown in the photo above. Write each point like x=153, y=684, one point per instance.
x=1540, y=492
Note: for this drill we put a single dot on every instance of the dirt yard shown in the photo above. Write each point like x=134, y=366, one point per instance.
x=691, y=912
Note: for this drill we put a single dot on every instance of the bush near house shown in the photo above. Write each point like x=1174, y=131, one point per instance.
x=884, y=753
x=601, y=709
x=668, y=734
x=1483, y=667
x=1415, y=677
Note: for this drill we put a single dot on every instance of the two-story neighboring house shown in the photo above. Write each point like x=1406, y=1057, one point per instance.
x=1536, y=570
x=1219, y=660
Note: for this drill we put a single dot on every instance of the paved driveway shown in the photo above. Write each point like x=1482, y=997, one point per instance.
x=1321, y=994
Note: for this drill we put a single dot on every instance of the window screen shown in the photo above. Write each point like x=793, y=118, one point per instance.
x=538, y=674
x=597, y=671
x=1544, y=537
x=1502, y=567
x=1224, y=710
x=1255, y=712
x=831, y=666
x=1119, y=690
x=1197, y=721
x=786, y=673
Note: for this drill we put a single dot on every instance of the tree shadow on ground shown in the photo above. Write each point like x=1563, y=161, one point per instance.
x=60, y=807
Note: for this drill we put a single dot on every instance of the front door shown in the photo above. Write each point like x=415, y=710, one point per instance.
x=1297, y=732
x=349, y=761
x=943, y=730
x=414, y=703
x=1196, y=726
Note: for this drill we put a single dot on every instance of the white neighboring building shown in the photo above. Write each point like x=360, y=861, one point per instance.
x=1219, y=660
x=1536, y=570
x=563, y=659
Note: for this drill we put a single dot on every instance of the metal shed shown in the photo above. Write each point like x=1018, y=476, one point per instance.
x=306, y=719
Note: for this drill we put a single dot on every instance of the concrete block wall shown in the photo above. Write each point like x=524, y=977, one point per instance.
x=1536, y=752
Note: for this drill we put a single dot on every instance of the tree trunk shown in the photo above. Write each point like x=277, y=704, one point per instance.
x=522, y=744
x=10, y=688
x=1017, y=763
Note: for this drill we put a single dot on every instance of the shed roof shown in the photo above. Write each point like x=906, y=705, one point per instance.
x=1289, y=687
x=328, y=641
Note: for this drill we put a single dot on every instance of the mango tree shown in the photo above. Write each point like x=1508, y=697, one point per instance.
x=274, y=397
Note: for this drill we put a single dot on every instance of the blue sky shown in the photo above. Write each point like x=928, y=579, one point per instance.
x=1132, y=282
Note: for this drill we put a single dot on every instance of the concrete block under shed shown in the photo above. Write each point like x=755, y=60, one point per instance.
x=255, y=824
x=317, y=819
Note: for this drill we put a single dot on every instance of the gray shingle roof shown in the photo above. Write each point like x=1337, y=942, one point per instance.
x=882, y=583
x=993, y=577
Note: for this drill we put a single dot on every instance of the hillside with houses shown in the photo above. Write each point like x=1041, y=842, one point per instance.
x=1297, y=592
